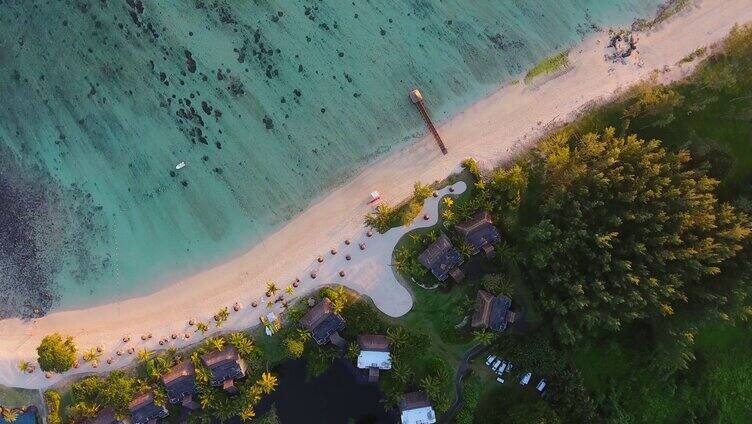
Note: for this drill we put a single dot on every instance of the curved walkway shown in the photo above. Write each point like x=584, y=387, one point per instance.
x=361, y=263
x=458, y=376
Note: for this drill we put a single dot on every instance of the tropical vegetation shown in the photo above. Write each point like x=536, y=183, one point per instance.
x=56, y=353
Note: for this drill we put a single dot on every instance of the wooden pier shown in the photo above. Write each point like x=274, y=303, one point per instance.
x=417, y=100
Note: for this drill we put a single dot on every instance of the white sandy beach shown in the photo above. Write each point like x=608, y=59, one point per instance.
x=492, y=130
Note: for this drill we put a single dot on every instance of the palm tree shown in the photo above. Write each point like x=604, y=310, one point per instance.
x=90, y=355
x=448, y=202
x=402, y=372
x=24, y=366
x=202, y=327
x=247, y=414
x=242, y=343
x=9, y=415
x=268, y=382
x=290, y=289
x=202, y=375
x=207, y=399
x=430, y=385
x=483, y=337
x=256, y=391
x=448, y=216
x=465, y=249
x=144, y=355
x=271, y=288
x=221, y=316
x=217, y=343
x=397, y=336
x=303, y=335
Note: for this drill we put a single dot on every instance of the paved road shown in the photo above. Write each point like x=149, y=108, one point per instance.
x=458, y=376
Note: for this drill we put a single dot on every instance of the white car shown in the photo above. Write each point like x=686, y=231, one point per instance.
x=496, y=365
x=500, y=380
x=490, y=360
x=541, y=387
x=501, y=369
x=525, y=379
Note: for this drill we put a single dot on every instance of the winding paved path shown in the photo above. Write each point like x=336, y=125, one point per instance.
x=458, y=376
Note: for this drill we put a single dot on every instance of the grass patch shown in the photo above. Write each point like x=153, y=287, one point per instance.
x=11, y=397
x=694, y=55
x=548, y=65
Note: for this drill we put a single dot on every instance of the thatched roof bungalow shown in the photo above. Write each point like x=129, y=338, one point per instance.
x=480, y=233
x=442, y=259
x=225, y=366
x=144, y=410
x=322, y=322
x=492, y=311
x=415, y=408
x=180, y=384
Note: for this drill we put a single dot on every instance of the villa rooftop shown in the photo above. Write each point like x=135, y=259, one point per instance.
x=322, y=322
x=415, y=408
x=180, y=382
x=143, y=409
x=480, y=232
x=442, y=259
x=225, y=365
x=492, y=311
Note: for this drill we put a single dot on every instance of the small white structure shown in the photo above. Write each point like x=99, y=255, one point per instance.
x=525, y=379
x=371, y=359
x=271, y=323
x=415, y=408
x=375, y=196
x=180, y=165
x=374, y=355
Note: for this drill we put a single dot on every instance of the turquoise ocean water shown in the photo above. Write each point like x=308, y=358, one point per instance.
x=269, y=103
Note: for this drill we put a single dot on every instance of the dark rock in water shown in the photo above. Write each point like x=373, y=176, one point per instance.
x=268, y=123
x=206, y=107
x=189, y=62
x=297, y=92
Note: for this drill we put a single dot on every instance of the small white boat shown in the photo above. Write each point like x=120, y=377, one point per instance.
x=180, y=165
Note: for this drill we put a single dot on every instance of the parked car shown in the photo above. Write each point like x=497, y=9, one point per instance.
x=496, y=365
x=525, y=378
x=509, y=368
x=541, y=387
x=490, y=359
x=501, y=369
x=500, y=380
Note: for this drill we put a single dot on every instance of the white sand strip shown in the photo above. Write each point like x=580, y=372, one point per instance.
x=491, y=130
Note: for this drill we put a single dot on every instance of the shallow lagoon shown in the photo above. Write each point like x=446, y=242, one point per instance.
x=268, y=103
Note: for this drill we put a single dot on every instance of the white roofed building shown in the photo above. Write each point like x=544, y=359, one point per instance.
x=374, y=355
x=415, y=408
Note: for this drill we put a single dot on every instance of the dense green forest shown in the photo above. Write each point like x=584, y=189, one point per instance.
x=632, y=228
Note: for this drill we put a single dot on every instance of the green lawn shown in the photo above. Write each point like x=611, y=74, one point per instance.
x=548, y=65
x=11, y=397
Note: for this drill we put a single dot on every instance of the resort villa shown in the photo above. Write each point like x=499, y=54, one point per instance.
x=323, y=323
x=442, y=259
x=415, y=408
x=374, y=355
x=225, y=366
x=180, y=384
x=480, y=233
x=492, y=311
x=144, y=410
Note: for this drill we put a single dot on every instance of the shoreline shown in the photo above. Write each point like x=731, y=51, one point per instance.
x=493, y=130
